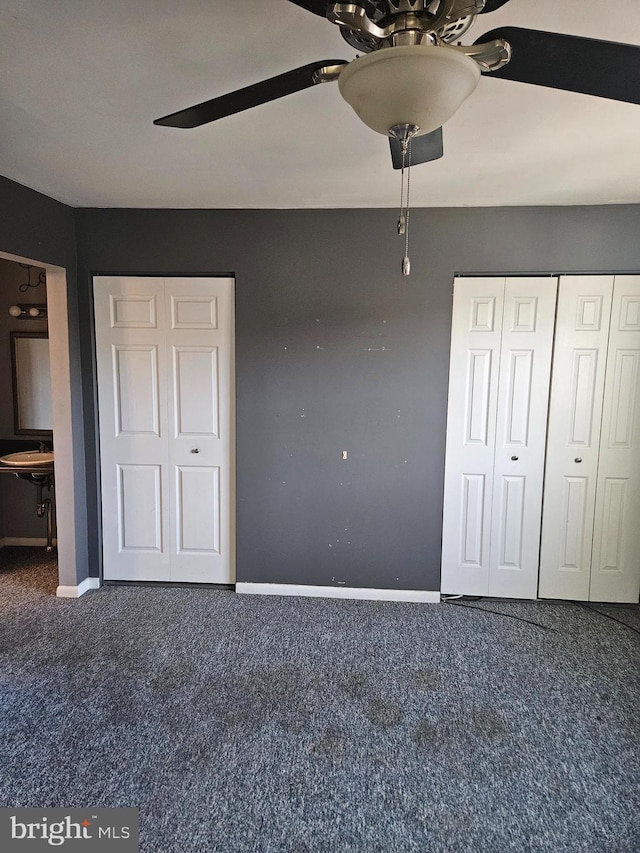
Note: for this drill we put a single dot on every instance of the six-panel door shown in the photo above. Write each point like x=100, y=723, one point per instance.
x=165, y=391
x=502, y=335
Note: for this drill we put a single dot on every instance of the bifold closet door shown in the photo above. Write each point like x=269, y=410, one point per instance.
x=615, y=565
x=502, y=336
x=476, y=335
x=165, y=393
x=590, y=532
x=575, y=417
x=132, y=366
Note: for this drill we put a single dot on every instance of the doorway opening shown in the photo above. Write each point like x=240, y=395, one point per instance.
x=66, y=465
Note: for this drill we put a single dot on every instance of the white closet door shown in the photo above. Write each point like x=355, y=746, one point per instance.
x=582, y=332
x=615, y=568
x=471, y=426
x=502, y=335
x=134, y=453
x=165, y=370
x=200, y=441
x=523, y=399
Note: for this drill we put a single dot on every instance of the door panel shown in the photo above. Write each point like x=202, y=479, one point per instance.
x=615, y=572
x=580, y=354
x=582, y=394
x=133, y=312
x=473, y=389
x=574, y=530
x=139, y=508
x=137, y=390
x=195, y=371
x=520, y=381
x=623, y=399
x=201, y=414
x=511, y=522
x=589, y=308
x=472, y=522
x=479, y=374
x=198, y=503
x=523, y=397
x=131, y=366
x=194, y=312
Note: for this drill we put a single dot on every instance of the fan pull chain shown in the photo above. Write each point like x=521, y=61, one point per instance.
x=404, y=134
x=403, y=219
x=406, y=262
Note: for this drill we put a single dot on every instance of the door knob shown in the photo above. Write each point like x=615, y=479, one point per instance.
x=514, y=458
x=195, y=450
x=578, y=459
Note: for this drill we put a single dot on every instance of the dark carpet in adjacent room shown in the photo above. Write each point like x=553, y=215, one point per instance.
x=242, y=723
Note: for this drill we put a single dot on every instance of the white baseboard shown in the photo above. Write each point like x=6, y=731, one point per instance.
x=80, y=589
x=38, y=542
x=415, y=595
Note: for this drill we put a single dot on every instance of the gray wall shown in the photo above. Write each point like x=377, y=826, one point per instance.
x=39, y=228
x=336, y=351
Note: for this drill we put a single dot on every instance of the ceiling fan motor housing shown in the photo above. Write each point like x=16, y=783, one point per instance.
x=410, y=22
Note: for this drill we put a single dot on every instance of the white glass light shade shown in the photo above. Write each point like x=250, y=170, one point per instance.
x=423, y=85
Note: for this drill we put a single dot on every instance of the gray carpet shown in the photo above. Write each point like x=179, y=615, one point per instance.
x=238, y=723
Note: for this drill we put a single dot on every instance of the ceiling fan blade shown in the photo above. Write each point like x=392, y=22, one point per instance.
x=250, y=96
x=492, y=5
x=319, y=7
x=423, y=149
x=606, y=69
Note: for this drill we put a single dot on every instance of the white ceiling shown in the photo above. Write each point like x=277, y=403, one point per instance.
x=82, y=81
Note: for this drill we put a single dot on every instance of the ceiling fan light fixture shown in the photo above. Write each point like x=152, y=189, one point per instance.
x=422, y=85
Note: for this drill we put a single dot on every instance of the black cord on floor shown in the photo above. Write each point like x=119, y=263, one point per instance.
x=461, y=598
x=498, y=613
x=607, y=615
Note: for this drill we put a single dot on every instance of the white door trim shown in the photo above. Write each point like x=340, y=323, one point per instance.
x=67, y=463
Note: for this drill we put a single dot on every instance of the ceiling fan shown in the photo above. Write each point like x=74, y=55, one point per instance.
x=415, y=73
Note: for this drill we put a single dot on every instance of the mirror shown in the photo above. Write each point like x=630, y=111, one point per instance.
x=31, y=383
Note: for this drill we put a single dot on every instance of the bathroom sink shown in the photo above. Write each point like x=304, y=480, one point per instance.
x=28, y=458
